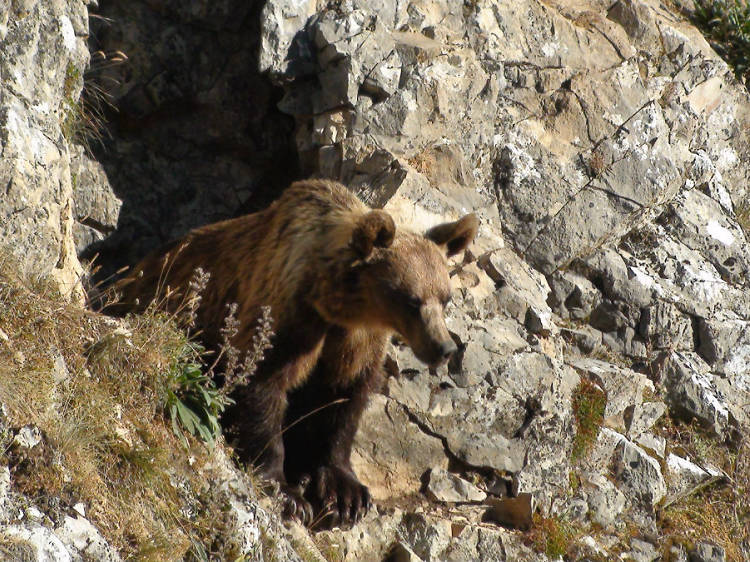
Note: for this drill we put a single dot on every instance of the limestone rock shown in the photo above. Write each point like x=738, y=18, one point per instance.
x=572, y=295
x=664, y=326
x=426, y=536
x=707, y=552
x=523, y=291
x=28, y=437
x=644, y=416
x=700, y=222
x=585, y=338
x=447, y=487
x=684, y=475
x=652, y=444
x=36, y=542
x=83, y=539
x=725, y=345
x=606, y=502
x=619, y=280
x=280, y=44
x=642, y=551
x=638, y=474
x=401, y=552
x=391, y=453
x=96, y=207
x=42, y=59
x=691, y=391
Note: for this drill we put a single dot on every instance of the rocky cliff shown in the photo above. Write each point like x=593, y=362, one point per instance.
x=42, y=59
x=602, y=316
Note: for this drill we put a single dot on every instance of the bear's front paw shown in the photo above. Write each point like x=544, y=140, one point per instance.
x=340, y=499
x=295, y=506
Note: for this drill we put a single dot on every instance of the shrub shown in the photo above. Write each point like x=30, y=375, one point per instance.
x=726, y=25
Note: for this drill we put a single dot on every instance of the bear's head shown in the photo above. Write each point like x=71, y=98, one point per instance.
x=399, y=281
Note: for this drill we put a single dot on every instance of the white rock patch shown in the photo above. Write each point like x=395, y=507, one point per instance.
x=720, y=233
x=68, y=34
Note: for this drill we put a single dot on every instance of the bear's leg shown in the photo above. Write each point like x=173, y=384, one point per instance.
x=255, y=421
x=321, y=422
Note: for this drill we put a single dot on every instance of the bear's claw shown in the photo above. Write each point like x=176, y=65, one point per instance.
x=295, y=505
x=341, y=500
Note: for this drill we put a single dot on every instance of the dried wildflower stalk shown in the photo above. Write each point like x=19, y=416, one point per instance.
x=235, y=376
x=228, y=331
x=235, y=372
x=196, y=287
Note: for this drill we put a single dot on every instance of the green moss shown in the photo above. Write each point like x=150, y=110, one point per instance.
x=742, y=212
x=71, y=113
x=71, y=83
x=589, y=402
x=551, y=536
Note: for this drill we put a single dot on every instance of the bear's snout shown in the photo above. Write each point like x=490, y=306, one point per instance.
x=436, y=352
x=428, y=337
x=447, y=348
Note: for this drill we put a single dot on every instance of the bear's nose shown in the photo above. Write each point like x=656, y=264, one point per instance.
x=448, y=348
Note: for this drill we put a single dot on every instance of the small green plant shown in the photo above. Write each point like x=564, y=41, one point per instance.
x=726, y=25
x=589, y=402
x=195, y=404
x=193, y=400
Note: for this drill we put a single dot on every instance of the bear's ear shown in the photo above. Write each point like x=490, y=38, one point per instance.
x=375, y=229
x=455, y=236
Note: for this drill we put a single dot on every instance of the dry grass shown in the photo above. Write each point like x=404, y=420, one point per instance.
x=82, y=114
x=720, y=513
x=424, y=162
x=96, y=389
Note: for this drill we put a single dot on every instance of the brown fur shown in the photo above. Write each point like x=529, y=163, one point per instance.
x=340, y=279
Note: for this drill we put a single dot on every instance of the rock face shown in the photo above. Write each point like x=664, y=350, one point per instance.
x=43, y=54
x=604, y=148
x=195, y=137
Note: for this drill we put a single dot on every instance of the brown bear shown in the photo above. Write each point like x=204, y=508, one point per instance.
x=340, y=279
